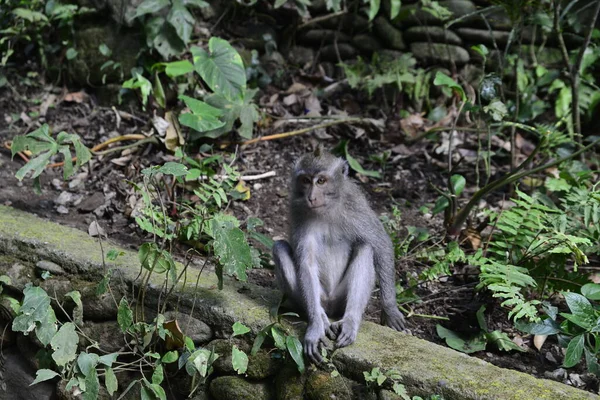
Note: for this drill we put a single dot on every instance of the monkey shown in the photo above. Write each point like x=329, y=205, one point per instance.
x=337, y=249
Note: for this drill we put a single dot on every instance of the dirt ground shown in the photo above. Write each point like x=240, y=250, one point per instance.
x=102, y=192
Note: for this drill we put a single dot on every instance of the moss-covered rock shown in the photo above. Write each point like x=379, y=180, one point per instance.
x=437, y=53
x=289, y=383
x=389, y=34
x=320, y=385
x=233, y=387
x=436, y=34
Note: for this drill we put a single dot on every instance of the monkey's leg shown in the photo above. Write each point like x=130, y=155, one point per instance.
x=390, y=314
x=356, y=287
x=285, y=271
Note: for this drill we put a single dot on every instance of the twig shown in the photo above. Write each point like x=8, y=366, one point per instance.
x=321, y=19
x=297, y=132
x=259, y=176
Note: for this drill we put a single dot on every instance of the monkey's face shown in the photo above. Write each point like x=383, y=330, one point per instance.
x=317, y=181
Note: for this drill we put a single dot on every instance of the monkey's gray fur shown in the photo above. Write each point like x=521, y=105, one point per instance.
x=338, y=247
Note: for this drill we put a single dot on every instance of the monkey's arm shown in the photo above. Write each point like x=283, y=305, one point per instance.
x=357, y=286
x=310, y=287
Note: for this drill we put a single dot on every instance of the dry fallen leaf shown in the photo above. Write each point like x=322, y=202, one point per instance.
x=173, y=137
x=538, y=341
x=96, y=230
x=47, y=103
x=175, y=339
x=76, y=97
x=412, y=125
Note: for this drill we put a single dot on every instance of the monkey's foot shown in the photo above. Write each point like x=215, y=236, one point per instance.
x=344, y=332
x=395, y=320
x=313, y=343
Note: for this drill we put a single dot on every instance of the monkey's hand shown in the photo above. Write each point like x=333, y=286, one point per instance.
x=343, y=331
x=394, y=319
x=313, y=341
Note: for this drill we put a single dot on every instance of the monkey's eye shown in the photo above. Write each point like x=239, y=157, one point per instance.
x=305, y=180
x=321, y=181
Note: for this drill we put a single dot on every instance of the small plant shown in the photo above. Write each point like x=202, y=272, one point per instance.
x=44, y=147
x=376, y=378
x=480, y=341
x=578, y=330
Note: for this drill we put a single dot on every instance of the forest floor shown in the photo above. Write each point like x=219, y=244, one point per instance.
x=102, y=192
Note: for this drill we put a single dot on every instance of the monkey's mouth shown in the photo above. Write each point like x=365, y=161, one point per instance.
x=316, y=206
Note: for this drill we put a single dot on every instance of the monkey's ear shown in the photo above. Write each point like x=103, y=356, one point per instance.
x=345, y=168
x=319, y=151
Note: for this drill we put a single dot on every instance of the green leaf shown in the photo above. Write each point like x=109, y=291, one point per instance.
x=64, y=344
x=579, y=305
x=374, y=6
x=442, y=79
x=46, y=329
x=111, y=382
x=87, y=362
x=239, y=329
x=481, y=50
x=496, y=109
x=108, y=359
x=104, y=50
x=395, y=8
x=5, y=279
x=170, y=357
x=440, y=205
x=92, y=386
x=258, y=342
x=155, y=260
x=278, y=337
x=124, y=315
x=29, y=15
x=502, y=341
x=230, y=246
x=481, y=318
x=574, y=351
x=591, y=291
x=295, y=349
x=546, y=327
x=158, y=375
x=178, y=68
x=196, y=3
x=454, y=341
x=248, y=116
x=150, y=6
x=159, y=91
x=458, y=183
x=173, y=168
x=71, y=53
x=182, y=21
x=203, y=118
x=42, y=375
x=354, y=164
x=222, y=69
x=139, y=82
x=239, y=360
x=35, y=308
x=78, y=310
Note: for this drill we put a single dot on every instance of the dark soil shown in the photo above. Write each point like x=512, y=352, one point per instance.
x=101, y=192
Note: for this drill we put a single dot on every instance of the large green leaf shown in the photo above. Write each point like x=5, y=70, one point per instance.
x=203, y=118
x=591, y=291
x=181, y=20
x=230, y=246
x=454, y=341
x=42, y=375
x=239, y=329
x=124, y=315
x=78, y=310
x=111, y=382
x=295, y=349
x=579, y=305
x=574, y=351
x=442, y=79
x=92, y=386
x=46, y=329
x=177, y=68
x=35, y=308
x=222, y=69
x=239, y=360
x=64, y=344
x=150, y=6
x=29, y=15
x=374, y=6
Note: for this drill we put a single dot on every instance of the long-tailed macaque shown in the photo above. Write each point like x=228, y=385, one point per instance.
x=337, y=248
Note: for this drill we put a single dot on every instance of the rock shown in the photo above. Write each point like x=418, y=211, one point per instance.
x=317, y=7
x=234, y=387
x=108, y=334
x=19, y=275
x=260, y=366
x=433, y=33
x=197, y=330
x=320, y=385
x=330, y=52
x=559, y=374
x=17, y=375
x=412, y=14
x=51, y=267
x=28, y=351
x=366, y=43
x=301, y=56
x=122, y=11
x=484, y=36
x=389, y=34
x=349, y=23
x=95, y=308
x=92, y=202
x=85, y=68
x=64, y=198
x=289, y=383
x=317, y=37
x=388, y=395
x=438, y=53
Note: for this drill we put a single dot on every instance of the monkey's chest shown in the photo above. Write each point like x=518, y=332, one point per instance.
x=333, y=260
